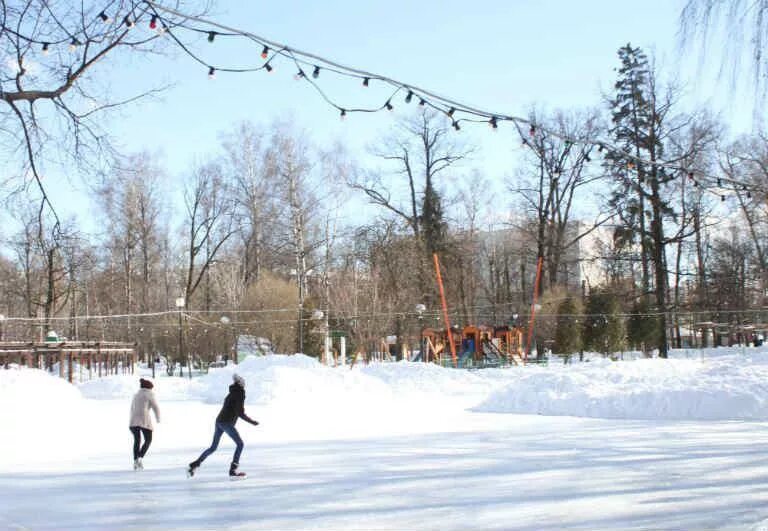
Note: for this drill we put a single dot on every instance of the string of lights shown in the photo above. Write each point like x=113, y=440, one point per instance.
x=125, y=319
x=458, y=112
x=447, y=106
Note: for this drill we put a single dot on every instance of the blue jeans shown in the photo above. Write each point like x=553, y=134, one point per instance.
x=229, y=429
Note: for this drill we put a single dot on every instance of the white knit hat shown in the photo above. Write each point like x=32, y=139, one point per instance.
x=239, y=380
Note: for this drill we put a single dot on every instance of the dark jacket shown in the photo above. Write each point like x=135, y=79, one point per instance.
x=234, y=406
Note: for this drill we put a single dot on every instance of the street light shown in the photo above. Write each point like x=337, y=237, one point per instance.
x=224, y=320
x=180, y=307
x=420, y=309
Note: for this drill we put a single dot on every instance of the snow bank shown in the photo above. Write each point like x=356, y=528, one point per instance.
x=718, y=388
x=33, y=393
x=711, y=384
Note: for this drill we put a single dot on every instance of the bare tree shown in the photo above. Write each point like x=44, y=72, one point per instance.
x=53, y=100
x=247, y=166
x=421, y=151
x=557, y=176
x=744, y=25
x=131, y=205
x=209, y=225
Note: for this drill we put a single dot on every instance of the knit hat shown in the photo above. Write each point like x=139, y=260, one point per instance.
x=239, y=380
x=146, y=383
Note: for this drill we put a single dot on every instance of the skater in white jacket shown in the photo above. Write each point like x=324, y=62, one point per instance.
x=141, y=421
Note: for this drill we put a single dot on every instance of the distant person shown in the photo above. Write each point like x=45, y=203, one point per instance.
x=233, y=409
x=141, y=421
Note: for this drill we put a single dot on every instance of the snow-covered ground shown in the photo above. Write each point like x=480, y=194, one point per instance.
x=645, y=444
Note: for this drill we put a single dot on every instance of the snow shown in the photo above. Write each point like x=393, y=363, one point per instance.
x=649, y=443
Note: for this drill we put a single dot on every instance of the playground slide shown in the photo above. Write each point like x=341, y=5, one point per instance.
x=492, y=352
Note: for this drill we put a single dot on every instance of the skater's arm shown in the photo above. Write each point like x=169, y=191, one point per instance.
x=248, y=419
x=153, y=405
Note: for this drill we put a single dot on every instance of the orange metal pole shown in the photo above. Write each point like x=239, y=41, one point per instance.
x=445, y=310
x=533, y=308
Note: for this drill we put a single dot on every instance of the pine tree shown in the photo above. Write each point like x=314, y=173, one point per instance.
x=642, y=326
x=631, y=117
x=433, y=224
x=638, y=115
x=568, y=331
x=604, y=329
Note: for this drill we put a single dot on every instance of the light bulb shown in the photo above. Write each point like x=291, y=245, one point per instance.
x=343, y=114
x=365, y=81
x=456, y=126
x=409, y=97
x=451, y=111
x=104, y=18
x=316, y=72
x=211, y=36
x=45, y=48
x=211, y=73
x=268, y=67
x=388, y=105
x=265, y=52
x=300, y=74
x=128, y=22
x=493, y=123
x=153, y=22
x=74, y=44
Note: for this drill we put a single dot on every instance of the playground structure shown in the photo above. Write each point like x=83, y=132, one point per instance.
x=99, y=358
x=476, y=346
x=471, y=346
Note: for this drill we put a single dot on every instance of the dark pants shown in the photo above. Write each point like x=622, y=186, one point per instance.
x=137, y=432
x=229, y=429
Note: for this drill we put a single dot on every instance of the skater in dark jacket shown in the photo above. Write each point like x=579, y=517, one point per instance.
x=233, y=408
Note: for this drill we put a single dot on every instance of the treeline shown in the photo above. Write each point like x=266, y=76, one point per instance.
x=633, y=254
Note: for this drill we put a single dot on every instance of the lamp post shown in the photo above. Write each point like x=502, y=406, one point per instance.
x=227, y=321
x=420, y=309
x=180, y=307
x=317, y=317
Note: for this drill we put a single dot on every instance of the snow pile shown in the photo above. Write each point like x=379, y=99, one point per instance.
x=713, y=384
x=294, y=381
x=32, y=393
x=123, y=386
x=718, y=388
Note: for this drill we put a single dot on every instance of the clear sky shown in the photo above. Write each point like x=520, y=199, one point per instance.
x=501, y=55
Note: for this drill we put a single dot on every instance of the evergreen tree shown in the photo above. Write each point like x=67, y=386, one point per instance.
x=638, y=115
x=604, y=329
x=568, y=331
x=433, y=225
x=631, y=117
x=642, y=326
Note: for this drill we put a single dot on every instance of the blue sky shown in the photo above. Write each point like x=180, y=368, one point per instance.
x=500, y=55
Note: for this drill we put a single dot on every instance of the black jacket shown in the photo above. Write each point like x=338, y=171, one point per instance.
x=234, y=406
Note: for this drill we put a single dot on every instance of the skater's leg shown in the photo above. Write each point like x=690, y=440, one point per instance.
x=147, y=441
x=232, y=432
x=135, y=432
x=214, y=444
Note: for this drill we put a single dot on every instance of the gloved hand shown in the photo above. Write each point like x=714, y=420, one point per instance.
x=255, y=422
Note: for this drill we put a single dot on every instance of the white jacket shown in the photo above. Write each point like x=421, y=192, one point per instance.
x=143, y=401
